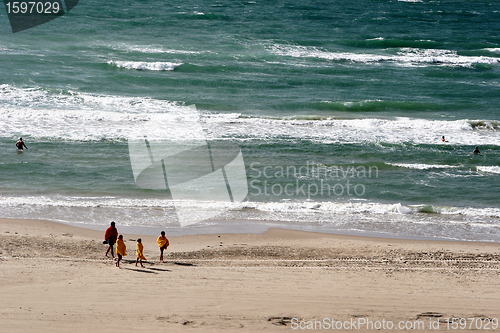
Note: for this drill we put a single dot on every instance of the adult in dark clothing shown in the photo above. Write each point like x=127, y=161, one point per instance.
x=110, y=237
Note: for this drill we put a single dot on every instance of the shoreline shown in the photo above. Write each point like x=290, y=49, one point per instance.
x=277, y=236
x=54, y=277
x=233, y=227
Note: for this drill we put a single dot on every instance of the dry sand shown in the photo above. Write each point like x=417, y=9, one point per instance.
x=55, y=278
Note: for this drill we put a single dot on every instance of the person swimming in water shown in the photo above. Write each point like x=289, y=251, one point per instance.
x=476, y=151
x=20, y=144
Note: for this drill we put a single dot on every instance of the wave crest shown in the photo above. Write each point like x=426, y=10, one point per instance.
x=489, y=169
x=407, y=56
x=144, y=65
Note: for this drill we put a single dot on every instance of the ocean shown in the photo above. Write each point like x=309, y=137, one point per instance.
x=337, y=109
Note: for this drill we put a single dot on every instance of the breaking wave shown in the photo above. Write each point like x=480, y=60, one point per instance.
x=143, y=65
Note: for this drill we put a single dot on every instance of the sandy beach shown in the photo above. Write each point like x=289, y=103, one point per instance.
x=55, y=278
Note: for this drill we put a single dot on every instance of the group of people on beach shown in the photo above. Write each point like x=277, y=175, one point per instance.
x=111, y=238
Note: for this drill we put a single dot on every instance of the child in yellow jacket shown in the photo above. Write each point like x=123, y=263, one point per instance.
x=163, y=243
x=139, y=253
x=120, y=250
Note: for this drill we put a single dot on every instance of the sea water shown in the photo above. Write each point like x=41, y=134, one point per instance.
x=338, y=109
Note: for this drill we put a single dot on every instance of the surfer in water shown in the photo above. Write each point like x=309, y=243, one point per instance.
x=20, y=144
x=476, y=151
x=443, y=139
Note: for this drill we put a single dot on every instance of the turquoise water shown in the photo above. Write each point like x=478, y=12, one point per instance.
x=344, y=104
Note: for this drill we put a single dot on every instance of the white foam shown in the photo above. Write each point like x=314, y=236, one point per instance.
x=420, y=166
x=399, y=130
x=333, y=212
x=489, y=169
x=150, y=49
x=144, y=65
x=327, y=209
x=363, y=216
x=154, y=49
x=38, y=98
x=85, y=117
x=494, y=50
x=77, y=116
x=405, y=56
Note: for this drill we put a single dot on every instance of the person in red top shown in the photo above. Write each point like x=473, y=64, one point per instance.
x=110, y=236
